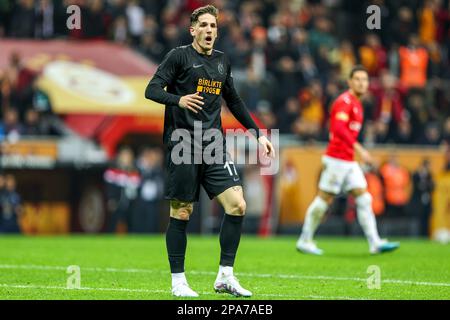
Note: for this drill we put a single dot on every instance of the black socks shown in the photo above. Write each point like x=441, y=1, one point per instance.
x=176, y=241
x=230, y=235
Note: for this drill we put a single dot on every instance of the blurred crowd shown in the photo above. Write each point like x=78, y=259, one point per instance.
x=290, y=58
x=25, y=110
x=10, y=204
x=134, y=191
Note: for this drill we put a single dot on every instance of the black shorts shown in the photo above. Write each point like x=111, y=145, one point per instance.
x=183, y=180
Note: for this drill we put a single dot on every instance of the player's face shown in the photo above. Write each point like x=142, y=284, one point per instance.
x=359, y=83
x=204, y=32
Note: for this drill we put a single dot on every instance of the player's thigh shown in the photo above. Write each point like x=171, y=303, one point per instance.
x=222, y=180
x=333, y=175
x=355, y=181
x=232, y=200
x=182, y=181
x=218, y=177
x=181, y=210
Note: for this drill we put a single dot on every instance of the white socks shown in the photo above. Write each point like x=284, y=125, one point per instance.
x=314, y=215
x=178, y=278
x=224, y=270
x=366, y=218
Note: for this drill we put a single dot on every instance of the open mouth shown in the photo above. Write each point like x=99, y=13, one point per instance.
x=208, y=39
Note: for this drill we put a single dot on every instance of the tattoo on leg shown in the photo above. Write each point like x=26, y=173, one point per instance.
x=179, y=204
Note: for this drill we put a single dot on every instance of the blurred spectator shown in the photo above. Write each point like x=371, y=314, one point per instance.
x=122, y=182
x=404, y=132
x=311, y=111
x=289, y=115
x=421, y=201
x=120, y=32
x=432, y=135
x=300, y=42
x=446, y=132
x=288, y=79
x=346, y=59
x=373, y=56
x=151, y=48
x=23, y=20
x=402, y=27
x=32, y=125
x=321, y=36
x=413, y=64
x=308, y=69
x=11, y=125
x=96, y=21
x=151, y=192
x=44, y=19
x=264, y=112
x=417, y=113
x=427, y=22
x=396, y=181
x=11, y=206
x=389, y=106
x=135, y=17
x=20, y=80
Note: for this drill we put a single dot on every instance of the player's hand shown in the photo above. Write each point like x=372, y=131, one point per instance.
x=268, y=147
x=191, y=102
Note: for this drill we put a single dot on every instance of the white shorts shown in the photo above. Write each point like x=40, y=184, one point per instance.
x=340, y=175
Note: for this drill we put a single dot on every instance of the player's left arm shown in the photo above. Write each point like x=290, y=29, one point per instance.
x=363, y=153
x=240, y=112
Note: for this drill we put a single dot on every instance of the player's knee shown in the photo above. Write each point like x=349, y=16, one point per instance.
x=238, y=208
x=181, y=210
x=326, y=197
x=358, y=192
x=364, y=199
x=183, y=214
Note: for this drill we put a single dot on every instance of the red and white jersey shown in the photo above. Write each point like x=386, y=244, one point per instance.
x=346, y=120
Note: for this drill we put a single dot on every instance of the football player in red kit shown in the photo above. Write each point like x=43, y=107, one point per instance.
x=341, y=173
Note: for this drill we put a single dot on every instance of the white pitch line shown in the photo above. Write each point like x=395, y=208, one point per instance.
x=243, y=274
x=21, y=286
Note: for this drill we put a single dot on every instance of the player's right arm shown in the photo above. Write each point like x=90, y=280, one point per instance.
x=166, y=75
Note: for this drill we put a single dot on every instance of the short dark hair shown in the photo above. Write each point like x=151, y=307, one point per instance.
x=202, y=10
x=357, y=68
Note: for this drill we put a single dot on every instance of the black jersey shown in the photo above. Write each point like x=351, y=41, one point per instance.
x=185, y=71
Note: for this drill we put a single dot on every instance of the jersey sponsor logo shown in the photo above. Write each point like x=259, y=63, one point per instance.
x=195, y=66
x=355, y=126
x=342, y=116
x=209, y=86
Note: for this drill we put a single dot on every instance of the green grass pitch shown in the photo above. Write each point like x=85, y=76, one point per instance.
x=136, y=267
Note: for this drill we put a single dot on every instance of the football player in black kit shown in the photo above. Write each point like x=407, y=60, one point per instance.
x=197, y=77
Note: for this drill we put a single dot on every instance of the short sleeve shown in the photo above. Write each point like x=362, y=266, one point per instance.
x=342, y=109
